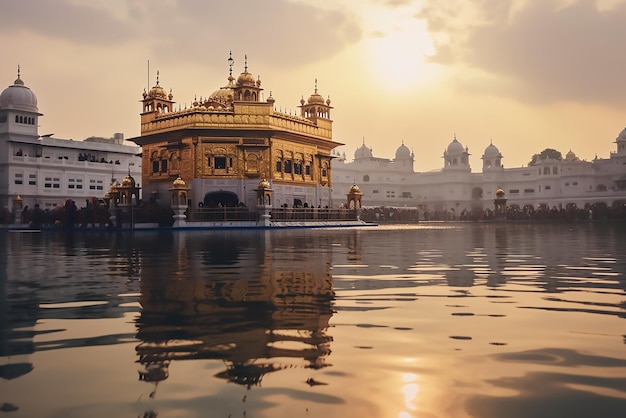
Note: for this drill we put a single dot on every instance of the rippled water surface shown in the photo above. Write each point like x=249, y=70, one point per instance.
x=437, y=320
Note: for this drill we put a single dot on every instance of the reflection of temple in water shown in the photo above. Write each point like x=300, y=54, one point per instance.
x=17, y=315
x=259, y=308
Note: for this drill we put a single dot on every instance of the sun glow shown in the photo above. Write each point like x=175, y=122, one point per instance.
x=396, y=57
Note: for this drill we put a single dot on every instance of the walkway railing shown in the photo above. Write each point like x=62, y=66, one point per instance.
x=277, y=214
x=222, y=214
x=312, y=214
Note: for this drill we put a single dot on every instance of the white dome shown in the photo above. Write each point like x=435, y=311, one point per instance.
x=491, y=151
x=622, y=135
x=18, y=97
x=455, y=147
x=363, y=152
x=403, y=152
x=570, y=156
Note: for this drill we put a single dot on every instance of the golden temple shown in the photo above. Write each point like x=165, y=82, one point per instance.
x=224, y=144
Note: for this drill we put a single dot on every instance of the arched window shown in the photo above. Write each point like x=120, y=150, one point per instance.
x=174, y=163
x=555, y=170
x=252, y=163
x=366, y=178
x=546, y=170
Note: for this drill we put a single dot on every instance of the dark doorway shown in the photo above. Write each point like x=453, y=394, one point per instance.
x=220, y=199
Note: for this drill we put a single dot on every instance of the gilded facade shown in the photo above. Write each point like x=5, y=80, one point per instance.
x=225, y=144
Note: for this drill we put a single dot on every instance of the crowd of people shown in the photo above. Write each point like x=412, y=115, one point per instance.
x=512, y=213
x=96, y=213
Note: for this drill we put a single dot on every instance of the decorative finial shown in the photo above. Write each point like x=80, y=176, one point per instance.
x=157, y=82
x=231, y=61
x=245, y=66
x=18, y=80
x=316, y=86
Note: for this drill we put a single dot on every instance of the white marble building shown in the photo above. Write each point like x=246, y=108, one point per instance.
x=41, y=169
x=455, y=188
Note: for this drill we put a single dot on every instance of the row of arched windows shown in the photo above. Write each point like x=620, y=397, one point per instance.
x=297, y=165
x=160, y=108
x=320, y=112
x=28, y=120
x=454, y=161
x=164, y=162
x=546, y=170
x=247, y=96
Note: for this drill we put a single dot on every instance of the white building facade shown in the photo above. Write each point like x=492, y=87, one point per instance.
x=455, y=189
x=47, y=171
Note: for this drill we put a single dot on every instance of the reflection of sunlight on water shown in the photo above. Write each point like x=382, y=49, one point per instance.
x=410, y=390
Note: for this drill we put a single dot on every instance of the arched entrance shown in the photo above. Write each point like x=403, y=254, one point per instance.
x=220, y=199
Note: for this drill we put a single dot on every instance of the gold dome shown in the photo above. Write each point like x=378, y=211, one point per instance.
x=246, y=79
x=222, y=94
x=179, y=183
x=316, y=98
x=264, y=184
x=157, y=92
x=128, y=182
x=354, y=189
x=500, y=193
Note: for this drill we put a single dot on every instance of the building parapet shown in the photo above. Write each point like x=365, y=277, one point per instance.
x=249, y=116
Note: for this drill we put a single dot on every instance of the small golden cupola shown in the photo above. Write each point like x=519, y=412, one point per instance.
x=179, y=192
x=500, y=204
x=127, y=190
x=264, y=193
x=315, y=107
x=355, y=197
x=157, y=100
x=247, y=88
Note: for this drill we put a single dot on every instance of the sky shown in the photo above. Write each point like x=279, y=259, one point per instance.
x=525, y=75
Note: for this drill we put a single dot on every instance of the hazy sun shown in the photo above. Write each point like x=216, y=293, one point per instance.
x=396, y=55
